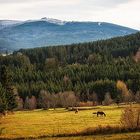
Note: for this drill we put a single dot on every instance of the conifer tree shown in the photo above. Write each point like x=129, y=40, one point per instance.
x=3, y=100
x=8, y=95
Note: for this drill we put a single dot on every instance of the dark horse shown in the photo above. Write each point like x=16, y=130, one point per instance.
x=76, y=111
x=101, y=113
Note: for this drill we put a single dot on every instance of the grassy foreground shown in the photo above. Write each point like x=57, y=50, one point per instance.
x=125, y=136
x=60, y=121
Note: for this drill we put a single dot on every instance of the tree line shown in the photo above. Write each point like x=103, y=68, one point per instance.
x=81, y=69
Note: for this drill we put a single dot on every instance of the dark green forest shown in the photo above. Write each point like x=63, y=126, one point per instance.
x=84, y=68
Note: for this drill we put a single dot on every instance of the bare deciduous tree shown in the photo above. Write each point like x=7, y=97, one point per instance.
x=19, y=103
x=62, y=99
x=44, y=99
x=127, y=95
x=107, y=100
x=94, y=98
x=30, y=103
x=68, y=99
x=54, y=100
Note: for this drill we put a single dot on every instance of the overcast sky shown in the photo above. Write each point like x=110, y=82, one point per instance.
x=123, y=12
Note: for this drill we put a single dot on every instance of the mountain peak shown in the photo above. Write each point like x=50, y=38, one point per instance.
x=52, y=20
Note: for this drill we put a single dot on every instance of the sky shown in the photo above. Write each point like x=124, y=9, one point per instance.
x=122, y=12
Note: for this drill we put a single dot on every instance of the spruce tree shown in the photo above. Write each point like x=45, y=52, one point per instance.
x=10, y=98
x=3, y=100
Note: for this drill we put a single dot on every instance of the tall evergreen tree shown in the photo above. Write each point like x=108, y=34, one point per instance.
x=3, y=100
x=10, y=97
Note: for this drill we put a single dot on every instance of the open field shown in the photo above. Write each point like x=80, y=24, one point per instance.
x=60, y=121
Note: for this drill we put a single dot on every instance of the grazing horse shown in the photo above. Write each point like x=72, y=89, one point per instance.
x=101, y=113
x=76, y=111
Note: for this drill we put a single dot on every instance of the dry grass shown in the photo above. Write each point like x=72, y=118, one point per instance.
x=125, y=136
x=55, y=122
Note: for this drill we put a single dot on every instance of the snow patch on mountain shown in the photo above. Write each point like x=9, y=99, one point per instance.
x=99, y=23
x=54, y=21
x=7, y=23
x=48, y=20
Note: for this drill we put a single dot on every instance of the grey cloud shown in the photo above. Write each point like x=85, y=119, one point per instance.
x=106, y=3
x=11, y=1
x=18, y=1
x=98, y=3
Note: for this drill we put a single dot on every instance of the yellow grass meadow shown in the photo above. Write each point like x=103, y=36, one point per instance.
x=60, y=121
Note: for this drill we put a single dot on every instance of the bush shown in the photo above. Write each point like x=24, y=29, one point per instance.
x=137, y=97
x=131, y=117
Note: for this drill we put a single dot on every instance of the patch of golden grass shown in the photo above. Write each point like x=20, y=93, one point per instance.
x=53, y=122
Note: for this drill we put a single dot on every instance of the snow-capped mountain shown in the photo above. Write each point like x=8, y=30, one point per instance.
x=49, y=20
x=54, y=21
x=46, y=31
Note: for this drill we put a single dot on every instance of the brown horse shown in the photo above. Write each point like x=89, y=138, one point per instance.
x=76, y=111
x=101, y=113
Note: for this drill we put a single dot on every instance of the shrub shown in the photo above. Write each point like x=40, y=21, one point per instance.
x=85, y=104
x=131, y=117
x=137, y=97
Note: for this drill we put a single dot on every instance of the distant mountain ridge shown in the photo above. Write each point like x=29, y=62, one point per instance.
x=8, y=23
x=47, y=32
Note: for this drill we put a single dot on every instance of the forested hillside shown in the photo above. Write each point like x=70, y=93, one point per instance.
x=86, y=68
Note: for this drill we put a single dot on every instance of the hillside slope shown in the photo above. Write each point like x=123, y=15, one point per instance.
x=48, y=32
